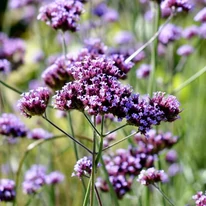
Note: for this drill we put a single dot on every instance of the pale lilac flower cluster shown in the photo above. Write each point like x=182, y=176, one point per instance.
x=151, y=176
x=34, y=102
x=11, y=126
x=143, y=71
x=7, y=190
x=190, y=32
x=170, y=33
x=178, y=5
x=201, y=15
x=5, y=66
x=56, y=75
x=200, y=199
x=83, y=167
x=62, y=14
x=123, y=37
x=171, y=156
x=185, y=50
x=36, y=177
x=14, y=4
x=39, y=133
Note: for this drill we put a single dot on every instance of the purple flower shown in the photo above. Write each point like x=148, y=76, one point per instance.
x=171, y=156
x=123, y=37
x=202, y=31
x=83, y=167
x=54, y=178
x=56, y=75
x=34, y=179
x=151, y=176
x=5, y=66
x=11, y=126
x=62, y=14
x=7, y=190
x=34, y=102
x=201, y=15
x=190, y=32
x=200, y=199
x=39, y=133
x=111, y=15
x=179, y=5
x=185, y=50
x=174, y=169
x=95, y=46
x=170, y=33
x=14, y=4
x=143, y=71
x=100, y=9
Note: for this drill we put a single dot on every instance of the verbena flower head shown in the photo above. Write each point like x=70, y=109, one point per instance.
x=39, y=133
x=54, y=177
x=143, y=71
x=171, y=156
x=5, y=66
x=185, y=50
x=202, y=31
x=178, y=5
x=200, y=199
x=14, y=4
x=34, y=179
x=151, y=176
x=7, y=190
x=190, y=32
x=56, y=75
x=62, y=14
x=83, y=167
x=11, y=126
x=34, y=102
x=201, y=15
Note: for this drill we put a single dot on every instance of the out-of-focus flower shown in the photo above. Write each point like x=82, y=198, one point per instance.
x=39, y=133
x=111, y=15
x=123, y=37
x=170, y=33
x=200, y=199
x=190, y=32
x=11, y=126
x=143, y=71
x=174, y=169
x=7, y=190
x=161, y=49
x=62, y=14
x=185, y=50
x=14, y=4
x=100, y=9
x=54, y=177
x=5, y=66
x=34, y=102
x=202, y=31
x=171, y=156
x=151, y=176
x=95, y=46
x=201, y=15
x=82, y=167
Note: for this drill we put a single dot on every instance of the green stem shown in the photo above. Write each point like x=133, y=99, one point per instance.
x=79, y=143
x=190, y=80
x=64, y=46
x=86, y=197
x=147, y=200
x=165, y=196
x=108, y=133
x=98, y=197
x=10, y=87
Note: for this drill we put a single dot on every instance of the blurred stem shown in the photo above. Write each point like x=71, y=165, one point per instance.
x=112, y=145
x=111, y=188
x=147, y=200
x=86, y=197
x=151, y=84
x=93, y=166
x=98, y=197
x=108, y=133
x=163, y=194
x=190, y=80
x=71, y=137
x=64, y=46
x=10, y=87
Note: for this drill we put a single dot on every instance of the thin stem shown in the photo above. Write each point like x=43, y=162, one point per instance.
x=163, y=194
x=190, y=80
x=10, y=87
x=64, y=46
x=93, y=166
x=112, y=145
x=79, y=143
x=148, y=42
x=86, y=197
x=91, y=124
x=108, y=133
x=98, y=197
x=147, y=200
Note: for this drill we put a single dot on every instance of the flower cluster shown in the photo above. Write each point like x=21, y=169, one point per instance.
x=36, y=177
x=143, y=71
x=201, y=15
x=83, y=167
x=5, y=66
x=11, y=126
x=200, y=199
x=151, y=176
x=39, y=133
x=185, y=50
x=7, y=190
x=34, y=102
x=14, y=4
x=62, y=14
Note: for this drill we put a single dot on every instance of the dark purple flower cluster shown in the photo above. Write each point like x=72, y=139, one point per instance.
x=11, y=126
x=83, y=167
x=143, y=71
x=12, y=49
x=7, y=190
x=36, y=177
x=5, y=66
x=151, y=176
x=39, y=133
x=62, y=14
x=200, y=199
x=179, y=5
x=34, y=102
x=95, y=46
x=56, y=75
